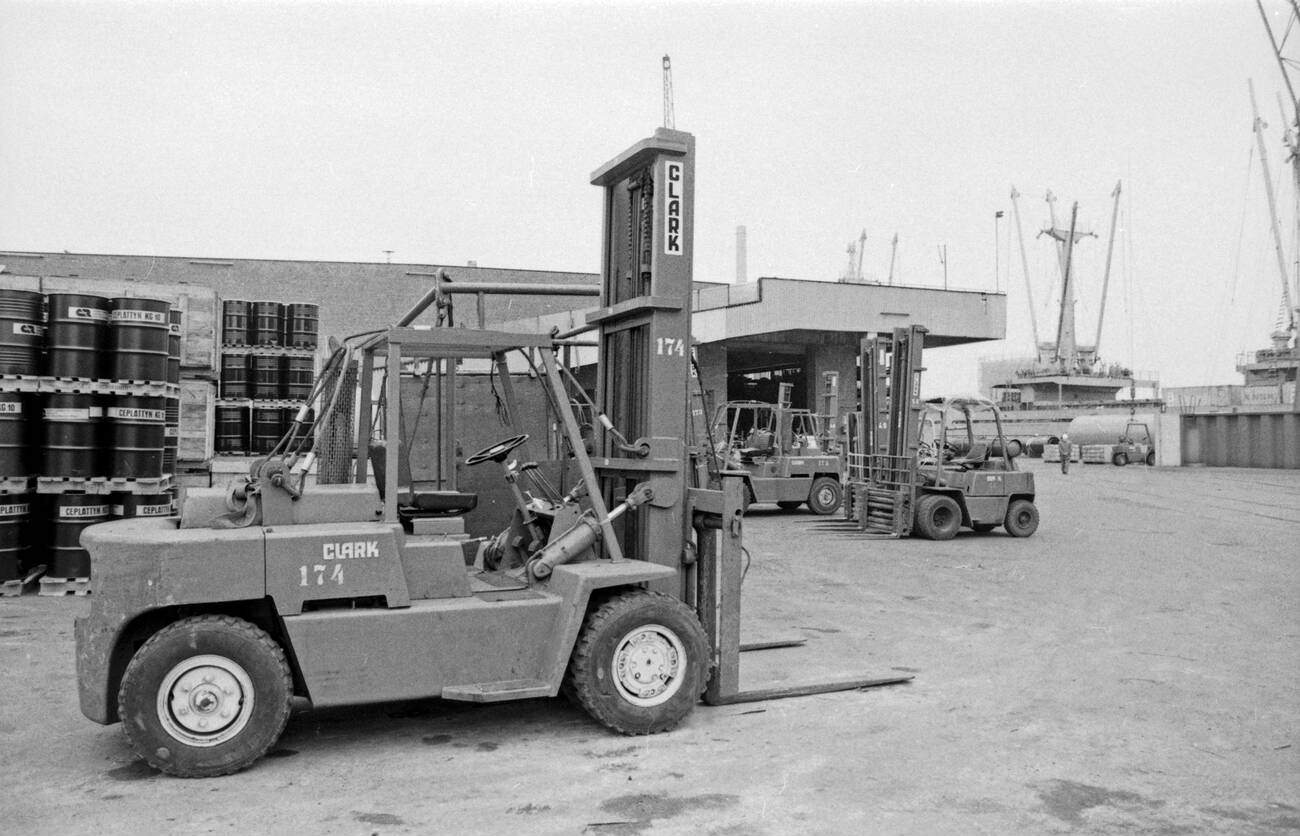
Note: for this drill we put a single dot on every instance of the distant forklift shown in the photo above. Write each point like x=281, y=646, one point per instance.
x=930, y=467
x=622, y=589
x=788, y=456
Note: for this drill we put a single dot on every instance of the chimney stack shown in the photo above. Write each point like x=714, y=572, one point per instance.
x=742, y=272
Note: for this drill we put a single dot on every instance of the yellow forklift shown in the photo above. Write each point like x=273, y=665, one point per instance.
x=930, y=467
x=308, y=578
x=788, y=456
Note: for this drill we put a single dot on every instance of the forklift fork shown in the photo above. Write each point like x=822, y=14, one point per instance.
x=718, y=521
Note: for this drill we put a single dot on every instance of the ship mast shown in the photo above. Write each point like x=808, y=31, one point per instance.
x=1290, y=299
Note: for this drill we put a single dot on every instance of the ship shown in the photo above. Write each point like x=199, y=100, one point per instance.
x=1065, y=378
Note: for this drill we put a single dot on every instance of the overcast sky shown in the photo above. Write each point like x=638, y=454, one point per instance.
x=454, y=132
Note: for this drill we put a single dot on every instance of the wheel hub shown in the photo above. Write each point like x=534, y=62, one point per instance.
x=648, y=665
x=205, y=700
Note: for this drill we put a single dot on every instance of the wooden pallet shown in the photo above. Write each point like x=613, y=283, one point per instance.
x=87, y=386
x=102, y=485
x=19, y=383
x=19, y=586
x=268, y=350
x=55, y=587
x=15, y=484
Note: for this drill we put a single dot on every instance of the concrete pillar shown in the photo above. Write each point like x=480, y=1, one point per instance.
x=841, y=358
x=712, y=358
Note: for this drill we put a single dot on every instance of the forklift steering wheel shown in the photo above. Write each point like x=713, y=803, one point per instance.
x=497, y=452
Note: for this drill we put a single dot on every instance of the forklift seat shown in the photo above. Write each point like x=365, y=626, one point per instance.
x=414, y=502
x=974, y=457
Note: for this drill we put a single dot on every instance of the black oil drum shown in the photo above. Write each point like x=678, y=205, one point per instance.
x=142, y=505
x=174, y=346
x=15, y=523
x=137, y=337
x=235, y=322
x=301, y=325
x=22, y=331
x=137, y=428
x=268, y=383
x=299, y=377
x=14, y=460
x=268, y=323
x=70, y=440
x=77, y=336
x=234, y=376
x=232, y=430
x=73, y=514
x=268, y=427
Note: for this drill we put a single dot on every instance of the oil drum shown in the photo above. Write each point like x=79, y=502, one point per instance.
x=15, y=519
x=268, y=427
x=268, y=383
x=14, y=462
x=235, y=322
x=268, y=323
x=142, y=505
x=77, y=336
x=232, y=430
x=171, y=435
x=73, y=514
x=234, y=376
x=137, y=428
x=137, y=337
x=301, y=324
x=22, y=331
x=70, y=440
x=174, y=345
x=299, y=377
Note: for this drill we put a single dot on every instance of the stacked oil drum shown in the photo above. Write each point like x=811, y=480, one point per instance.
x=87, y=391
x=267, y=373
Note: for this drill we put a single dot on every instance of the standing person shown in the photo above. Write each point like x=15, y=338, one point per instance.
x=1065, y=453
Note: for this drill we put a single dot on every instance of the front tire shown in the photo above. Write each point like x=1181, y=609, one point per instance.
x=1022, y=518
x=938, y=517
x=1151, y=459
x=1119, y=459
x=640, y=664
x=205, y=696
x=825, y=496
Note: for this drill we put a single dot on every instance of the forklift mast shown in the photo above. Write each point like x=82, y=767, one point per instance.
x=644, y=339
x=882, y=478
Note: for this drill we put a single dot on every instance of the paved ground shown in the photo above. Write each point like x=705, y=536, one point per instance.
x=1133, y=667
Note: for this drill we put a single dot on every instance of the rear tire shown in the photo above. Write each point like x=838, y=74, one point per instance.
x=938, y=517
x=1151, y=459
x=640, y=664
x=205, y=696
x=1022, y=518
x=1119, y=459
x=825, y=496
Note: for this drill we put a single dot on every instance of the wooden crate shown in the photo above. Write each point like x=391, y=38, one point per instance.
x=200, y=312
x=198, y=420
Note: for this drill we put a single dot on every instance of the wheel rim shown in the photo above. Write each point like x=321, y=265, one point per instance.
x=205, y=700
x=942, y=516
x=649, y=663
x=1023, y=518
x=826, y=497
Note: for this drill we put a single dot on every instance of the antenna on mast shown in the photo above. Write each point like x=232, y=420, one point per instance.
x=670, y=119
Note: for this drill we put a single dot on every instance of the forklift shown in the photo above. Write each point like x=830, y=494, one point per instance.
x=789, y=456
x=622, y=589
x=930, y=467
